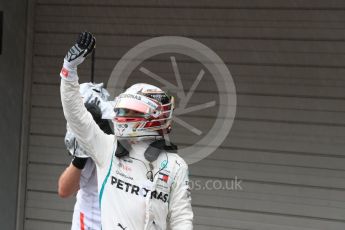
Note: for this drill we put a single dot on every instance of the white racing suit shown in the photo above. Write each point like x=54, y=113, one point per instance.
x=87, y=215
x=128, y=200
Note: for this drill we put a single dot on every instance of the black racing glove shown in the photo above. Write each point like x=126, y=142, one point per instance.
x=76, y=55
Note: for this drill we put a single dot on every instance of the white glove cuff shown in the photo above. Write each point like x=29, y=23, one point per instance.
x=69, y=72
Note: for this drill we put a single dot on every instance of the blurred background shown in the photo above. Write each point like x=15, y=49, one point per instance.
x=287, y=60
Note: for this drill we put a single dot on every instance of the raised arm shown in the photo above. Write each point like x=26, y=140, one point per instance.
x=80, y=121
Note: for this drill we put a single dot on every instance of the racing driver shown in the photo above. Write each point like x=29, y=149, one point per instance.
x=142, y=182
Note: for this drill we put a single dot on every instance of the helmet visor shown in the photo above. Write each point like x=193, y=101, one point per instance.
x=139, y=103
x=122, y=112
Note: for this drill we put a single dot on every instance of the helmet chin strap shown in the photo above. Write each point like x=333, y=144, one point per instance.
x=155, y=148
x=151, y=153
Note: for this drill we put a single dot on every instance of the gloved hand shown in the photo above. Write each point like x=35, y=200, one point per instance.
x=93, y=93
x=76, y=55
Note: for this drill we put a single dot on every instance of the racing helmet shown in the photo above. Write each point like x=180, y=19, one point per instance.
x=143, y=111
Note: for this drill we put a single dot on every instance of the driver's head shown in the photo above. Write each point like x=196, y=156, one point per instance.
x=143, y=111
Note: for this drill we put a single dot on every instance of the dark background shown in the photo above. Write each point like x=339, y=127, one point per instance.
x=11, y=98
x=1, y=22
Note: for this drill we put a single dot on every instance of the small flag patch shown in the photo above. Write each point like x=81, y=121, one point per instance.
x=64, y=72
x=163, y=177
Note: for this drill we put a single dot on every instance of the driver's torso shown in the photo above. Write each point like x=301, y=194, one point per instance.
x=129, y=200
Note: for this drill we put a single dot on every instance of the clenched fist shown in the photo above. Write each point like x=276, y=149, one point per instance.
x=76, y=55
